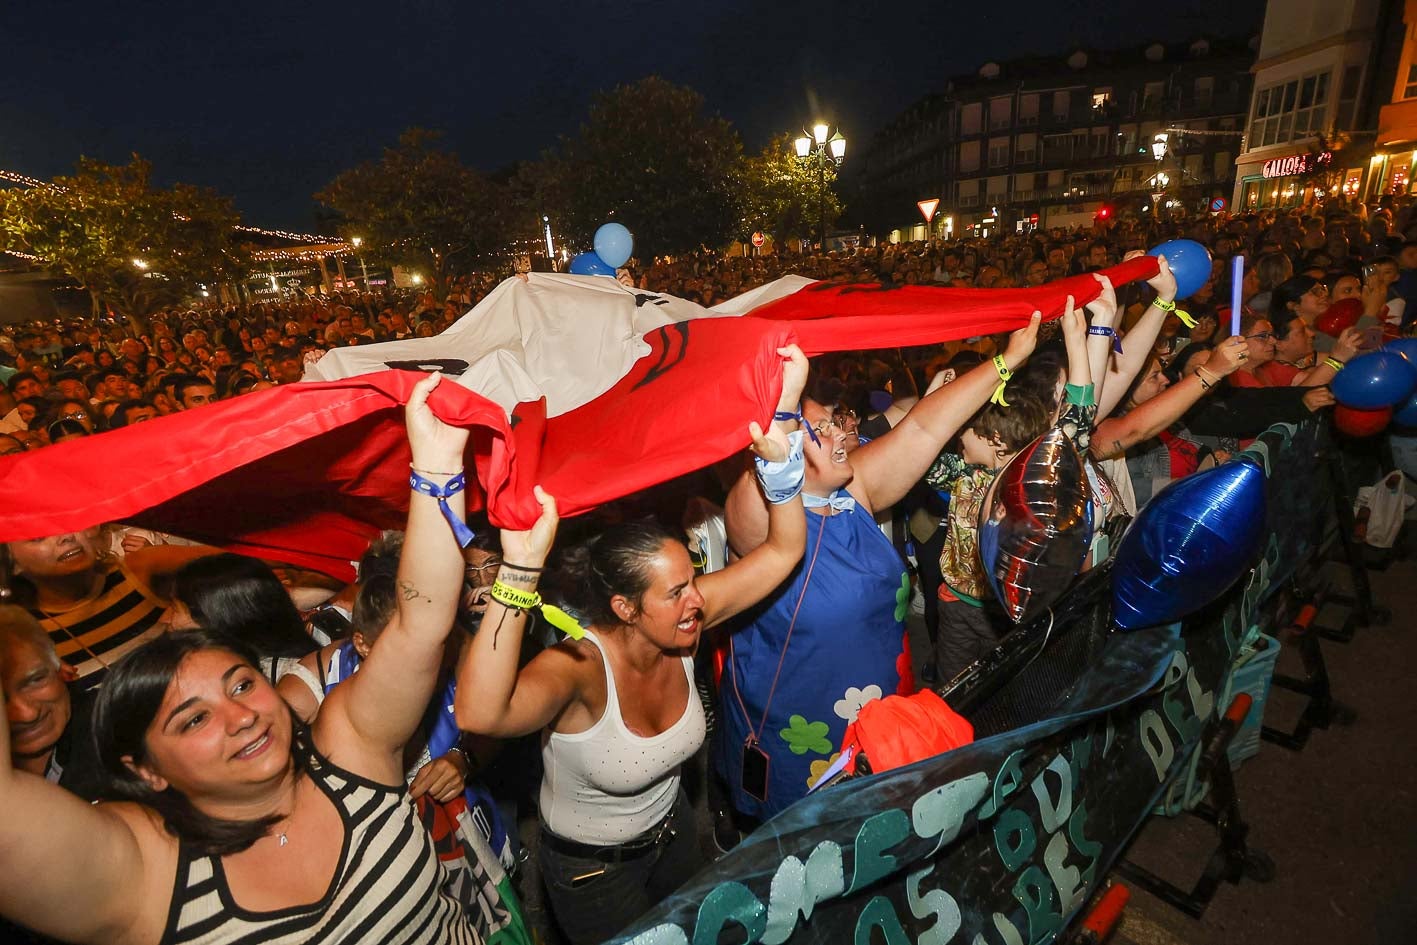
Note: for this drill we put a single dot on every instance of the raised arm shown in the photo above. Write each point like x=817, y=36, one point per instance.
x=1136, y=347
x=493, y=698
x=1345, y=349
x=753, y=576
x=1115, y=435
x=375, y=712
x=1101, y=333
x=88, y=898
x=887, y=467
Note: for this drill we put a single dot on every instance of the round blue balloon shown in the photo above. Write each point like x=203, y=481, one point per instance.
x=1378, y=379
x=589, y=264
x=1407, y=347
x=1406, y=415
x=1191, y=542
x=1189, y=262
x=614, y=244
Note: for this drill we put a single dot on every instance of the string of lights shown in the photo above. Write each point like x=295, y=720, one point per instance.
x=26, y=181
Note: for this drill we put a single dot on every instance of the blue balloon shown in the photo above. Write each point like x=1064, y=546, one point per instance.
x=589, y=264
x=614, y=244
x=1407, y=347
x=1036, y=527
x=1190, y=543
x=1406, y=415
x=1189, y=262
x=1376, y=379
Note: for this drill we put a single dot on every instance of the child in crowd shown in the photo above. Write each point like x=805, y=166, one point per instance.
x=968, y=629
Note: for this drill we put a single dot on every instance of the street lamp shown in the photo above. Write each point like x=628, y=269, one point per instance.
x=1159, y=180
x=356, y=242
x=821, y=148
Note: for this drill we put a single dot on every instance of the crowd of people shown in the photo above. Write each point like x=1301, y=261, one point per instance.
x=284, y=757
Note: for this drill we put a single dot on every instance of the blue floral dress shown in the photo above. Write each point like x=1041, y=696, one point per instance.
x=848, y=646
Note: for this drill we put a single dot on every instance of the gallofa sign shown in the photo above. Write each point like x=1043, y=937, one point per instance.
x=1296, y=164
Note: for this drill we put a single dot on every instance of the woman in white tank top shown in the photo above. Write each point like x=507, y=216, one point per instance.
x=618, y=709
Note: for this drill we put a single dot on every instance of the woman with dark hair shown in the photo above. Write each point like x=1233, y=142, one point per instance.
x=239, y=824
x=242, y=598
x=618, y=709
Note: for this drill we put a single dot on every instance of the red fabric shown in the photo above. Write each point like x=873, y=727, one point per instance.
x=1243, y=378
x=308, y=473
x=901, y=730
x=1277, y=374
x=1185, y=454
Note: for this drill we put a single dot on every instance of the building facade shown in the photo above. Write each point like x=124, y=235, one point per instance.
x=1325, y=69
x=1053, y=141
x=1393, y=164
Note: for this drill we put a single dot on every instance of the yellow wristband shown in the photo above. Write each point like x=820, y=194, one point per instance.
x=1166, y=305
x=1334, y=363
x=511, y=597
x=1004, y=375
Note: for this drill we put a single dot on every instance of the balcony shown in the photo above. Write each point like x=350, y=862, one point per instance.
x=1397, y=122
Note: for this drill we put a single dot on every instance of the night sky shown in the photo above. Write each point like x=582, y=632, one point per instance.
x=269, y=101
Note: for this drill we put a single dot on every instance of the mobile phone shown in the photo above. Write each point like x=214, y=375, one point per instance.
x=1368, y=272
x=755, y=771
x=1372, y=338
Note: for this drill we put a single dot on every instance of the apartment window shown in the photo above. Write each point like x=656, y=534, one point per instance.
x=1409, y=87
x=969, y=193
x=1101, y=98
x=1224, y=165
x=998, y=191
x=1348, y=95
x=1023, y=187
x=1100, y=143
x=1290, y=110
x=1026, y=150
x=1151, y=95
x=1061, y=106
x=1205, y=91
x=1028, y=110
x=970, y=118
x=1057, y=148
x=969, y=156
x=998, y=152
x=999, y=113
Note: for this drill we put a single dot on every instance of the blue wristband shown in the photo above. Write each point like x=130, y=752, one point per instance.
x=1109, y=332
x=785, y=415
x=782, y=481
x=452, y=487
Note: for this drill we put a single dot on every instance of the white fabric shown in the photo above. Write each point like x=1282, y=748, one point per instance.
x=1387, y=503
x=707, y=533
x=607, y=785
x=567, y=338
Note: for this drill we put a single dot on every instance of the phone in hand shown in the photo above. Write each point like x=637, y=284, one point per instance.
x=1372, y=338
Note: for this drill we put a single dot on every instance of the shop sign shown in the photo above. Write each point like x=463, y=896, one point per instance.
x=1296, y=164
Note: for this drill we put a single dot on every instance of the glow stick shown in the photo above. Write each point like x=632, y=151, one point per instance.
x=1237, y=278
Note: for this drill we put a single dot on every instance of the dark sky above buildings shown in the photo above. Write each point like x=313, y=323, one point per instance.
x=267, y=101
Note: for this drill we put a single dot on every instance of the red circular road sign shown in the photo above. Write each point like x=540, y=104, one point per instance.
x=758, y=239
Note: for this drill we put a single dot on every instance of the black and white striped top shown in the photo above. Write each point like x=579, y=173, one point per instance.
x=388, y=886
x=95, y=635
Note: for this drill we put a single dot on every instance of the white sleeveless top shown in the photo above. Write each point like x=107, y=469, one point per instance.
x=607, y=785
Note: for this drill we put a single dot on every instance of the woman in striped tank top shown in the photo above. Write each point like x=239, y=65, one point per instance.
x=242, y=826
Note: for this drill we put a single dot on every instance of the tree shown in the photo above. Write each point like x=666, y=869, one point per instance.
x=647, y=157
x=784, y=195
x=133, y=246
x=418, y=206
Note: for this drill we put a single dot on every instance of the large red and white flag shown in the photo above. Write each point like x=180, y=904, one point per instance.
x=579, y=384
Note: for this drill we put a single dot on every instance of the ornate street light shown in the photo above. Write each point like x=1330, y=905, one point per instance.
x=821, y=148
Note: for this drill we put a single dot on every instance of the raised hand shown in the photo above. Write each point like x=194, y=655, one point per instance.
x=1349, y=343
x=1318, y=398
x=1073, y=323
x=1022, y=342
x=1164, y=282
x=1104, y=307
x=530, y=548
x=794, y=377
x=1225, y=358
x=436, y=445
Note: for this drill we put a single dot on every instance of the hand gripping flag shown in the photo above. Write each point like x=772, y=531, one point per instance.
x=579, y=384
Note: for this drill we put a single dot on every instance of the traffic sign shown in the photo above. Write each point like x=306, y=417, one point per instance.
x=758, y=240
x=927, y=207
x=1218, y=204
